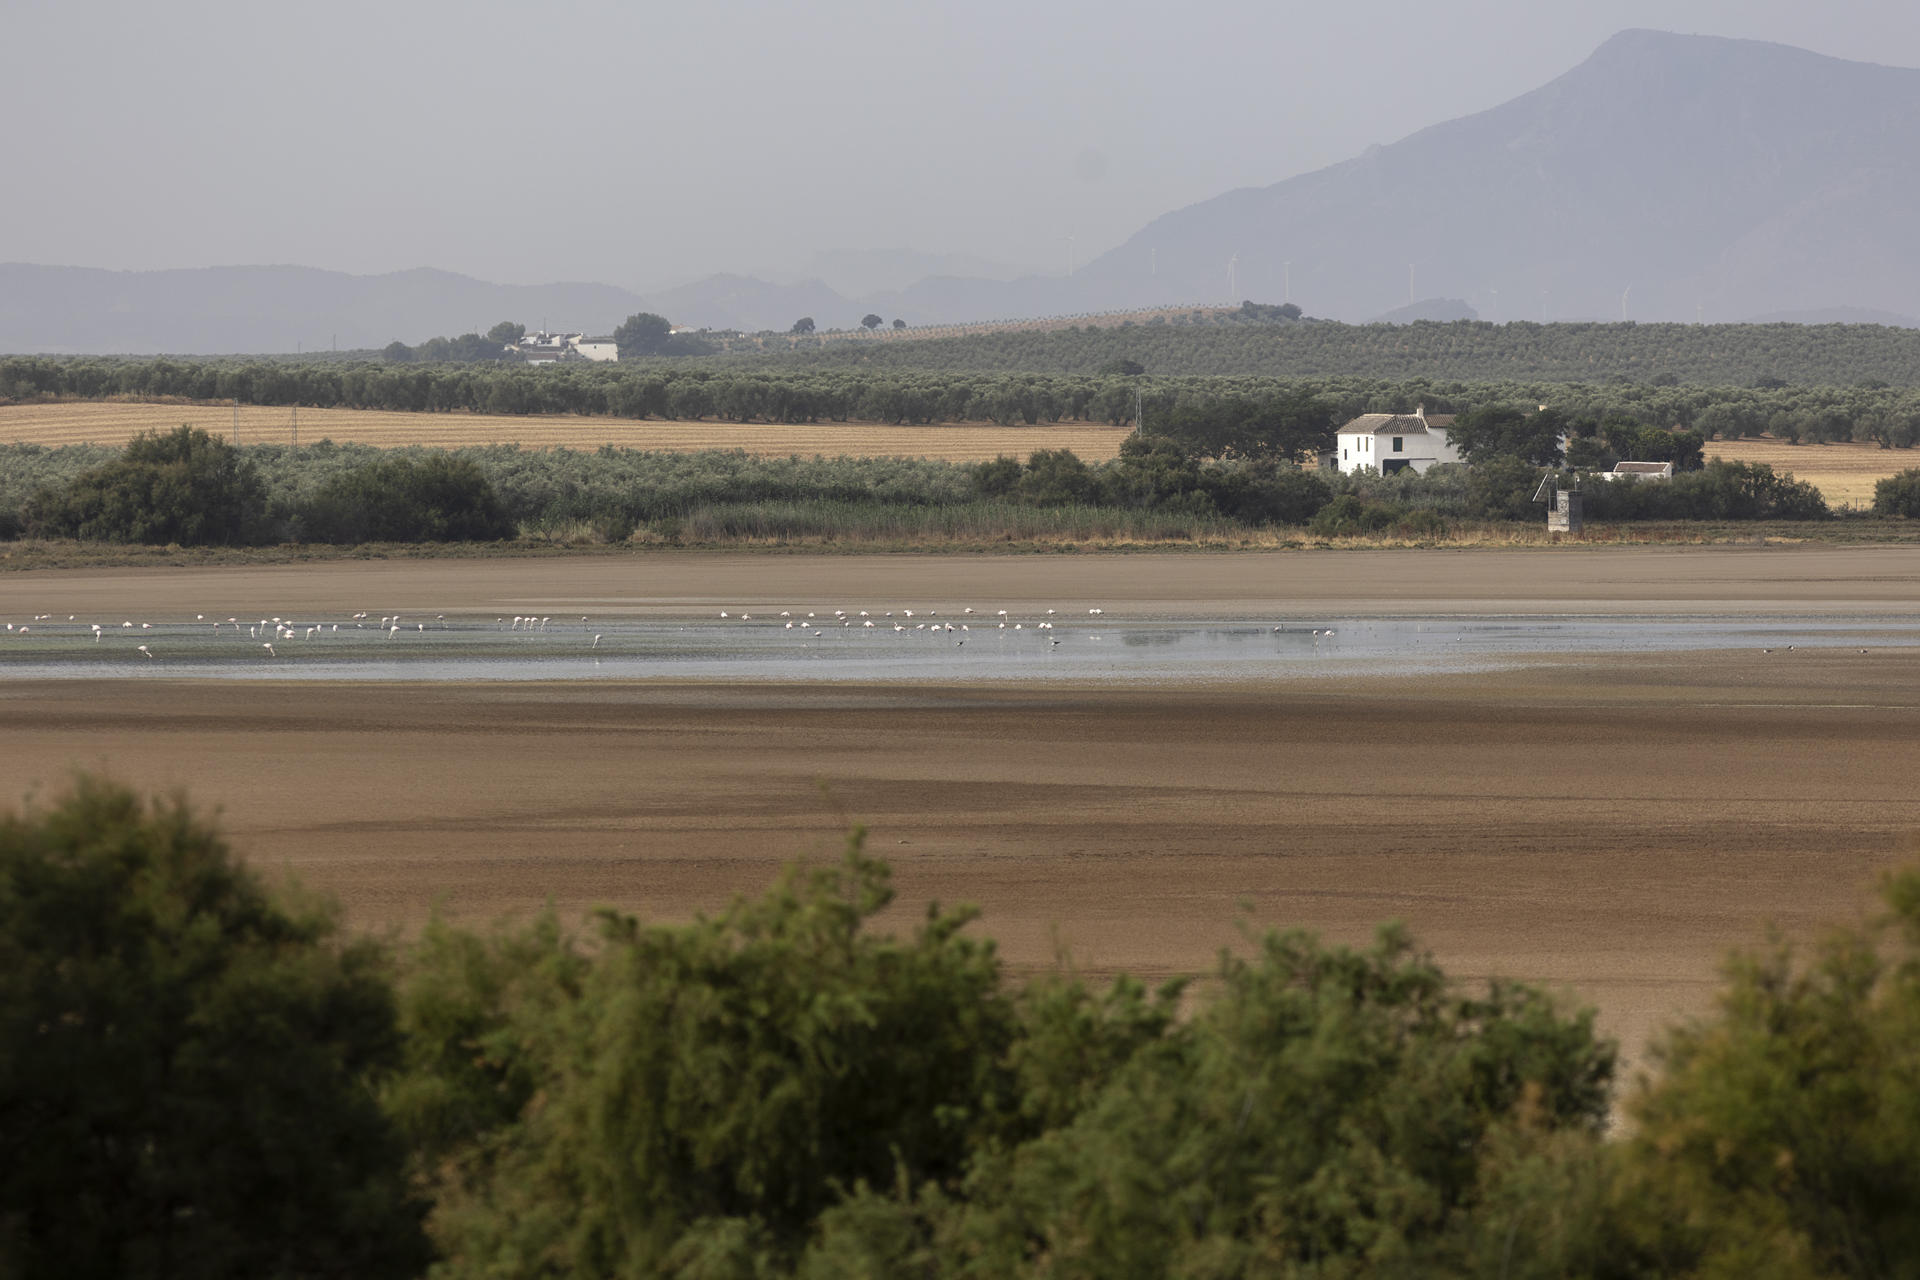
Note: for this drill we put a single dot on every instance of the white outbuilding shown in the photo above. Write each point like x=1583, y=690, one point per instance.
x=1388, y=442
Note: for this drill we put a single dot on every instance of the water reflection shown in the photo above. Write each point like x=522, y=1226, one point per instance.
x=829, y=649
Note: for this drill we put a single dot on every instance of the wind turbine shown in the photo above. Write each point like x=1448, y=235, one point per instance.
x=1233, y=285
x=1070, y=236
x=1623, y=303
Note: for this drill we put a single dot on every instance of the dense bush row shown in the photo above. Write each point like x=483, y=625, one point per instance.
x=199, y=1079
x=187, y=488
x=798, y=393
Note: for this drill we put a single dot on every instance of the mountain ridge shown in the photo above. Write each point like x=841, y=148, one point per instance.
x=1665, y=177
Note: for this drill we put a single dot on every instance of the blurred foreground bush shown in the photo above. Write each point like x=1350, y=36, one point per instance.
x=188, y=1068
x=196, y=1080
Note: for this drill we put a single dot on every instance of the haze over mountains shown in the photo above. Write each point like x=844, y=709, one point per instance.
x=1668, y=177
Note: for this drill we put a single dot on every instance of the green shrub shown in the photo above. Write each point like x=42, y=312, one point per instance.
x=998, y=478
x=1720, y=491
x=183, y=486
x=1348, y=514
x=1778, y=1137
x=437, y=499
x=1898, y=495
x=187, y=1067
x=733, y=1076
x=1056, y=477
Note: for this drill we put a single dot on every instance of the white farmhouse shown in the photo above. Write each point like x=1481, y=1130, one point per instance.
x=552, y=348
x=1388, y=442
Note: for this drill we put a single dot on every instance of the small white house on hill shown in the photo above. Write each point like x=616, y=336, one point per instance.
x=1388, y=442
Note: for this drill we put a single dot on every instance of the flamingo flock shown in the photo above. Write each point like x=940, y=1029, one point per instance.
x=283, y=637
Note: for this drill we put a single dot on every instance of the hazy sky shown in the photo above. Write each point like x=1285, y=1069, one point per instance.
x=646, y=144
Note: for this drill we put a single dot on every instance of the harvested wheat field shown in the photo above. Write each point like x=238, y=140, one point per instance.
x=114, y=423
x=1844, y=473
x=1607, y=824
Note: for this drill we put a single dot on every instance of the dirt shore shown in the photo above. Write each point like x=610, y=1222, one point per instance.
x=1609, y=825
x=1535, y=580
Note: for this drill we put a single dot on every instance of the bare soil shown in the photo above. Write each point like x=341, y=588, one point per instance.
x=1610, y=826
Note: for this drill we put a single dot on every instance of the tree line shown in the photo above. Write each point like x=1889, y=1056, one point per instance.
x=696, y=390
x=201, y=1077
x=1755, y=355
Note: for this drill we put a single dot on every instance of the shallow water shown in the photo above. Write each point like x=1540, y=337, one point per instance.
x=453, y=648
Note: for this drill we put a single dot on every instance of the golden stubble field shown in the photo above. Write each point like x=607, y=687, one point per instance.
x=1844, y=473
x=114, y=423
x=1609, y=825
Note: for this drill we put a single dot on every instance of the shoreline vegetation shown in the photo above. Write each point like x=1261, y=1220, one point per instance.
x=1226, y=478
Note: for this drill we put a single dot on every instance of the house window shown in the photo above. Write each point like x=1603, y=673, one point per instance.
x=1399, y=444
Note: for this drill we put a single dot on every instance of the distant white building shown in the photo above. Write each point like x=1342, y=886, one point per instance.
x=552, y=348
x=1637, y=471
x=1387, y=442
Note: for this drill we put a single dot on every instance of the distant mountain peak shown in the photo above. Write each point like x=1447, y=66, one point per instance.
x=1668, y=176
